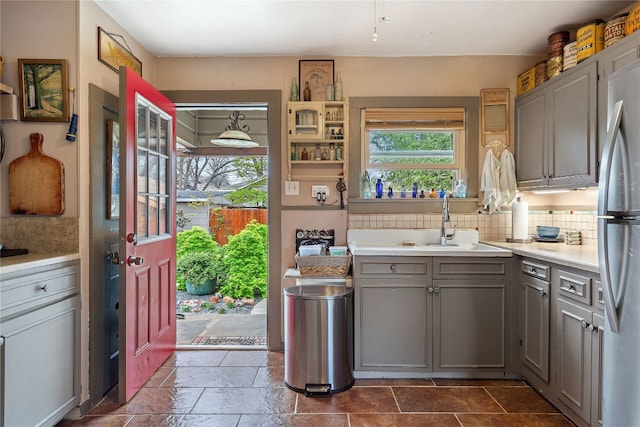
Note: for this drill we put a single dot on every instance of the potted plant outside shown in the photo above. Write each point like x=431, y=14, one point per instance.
x=200, y=271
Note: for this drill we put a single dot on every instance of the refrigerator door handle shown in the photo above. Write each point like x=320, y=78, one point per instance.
x=603, y=205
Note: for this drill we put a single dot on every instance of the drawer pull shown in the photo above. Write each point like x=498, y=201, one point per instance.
x=44, y=287
x=393, y=268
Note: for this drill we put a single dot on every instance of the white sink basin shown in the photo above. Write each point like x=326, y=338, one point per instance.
x=388, y=242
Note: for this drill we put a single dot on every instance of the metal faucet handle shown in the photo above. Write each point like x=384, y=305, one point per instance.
x=450, y=236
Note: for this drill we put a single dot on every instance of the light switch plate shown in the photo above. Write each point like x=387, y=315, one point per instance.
x=292, y=188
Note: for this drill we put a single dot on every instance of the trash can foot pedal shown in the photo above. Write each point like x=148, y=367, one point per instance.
x=311, y=390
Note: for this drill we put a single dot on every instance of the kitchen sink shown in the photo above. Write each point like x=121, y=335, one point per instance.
x=411, y=242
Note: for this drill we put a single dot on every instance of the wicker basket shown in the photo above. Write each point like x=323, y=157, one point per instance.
x=324, y=265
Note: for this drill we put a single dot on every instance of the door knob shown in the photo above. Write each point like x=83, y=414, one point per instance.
x=135, y=260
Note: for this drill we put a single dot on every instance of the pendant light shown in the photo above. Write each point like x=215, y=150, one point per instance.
x=233, y=135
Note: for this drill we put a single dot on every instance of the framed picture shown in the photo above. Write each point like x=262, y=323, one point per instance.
x=113, y=169
x=318, y=74
x=44, y=90
x=113, y=54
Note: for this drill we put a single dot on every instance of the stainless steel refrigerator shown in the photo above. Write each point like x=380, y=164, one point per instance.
x=619, y=250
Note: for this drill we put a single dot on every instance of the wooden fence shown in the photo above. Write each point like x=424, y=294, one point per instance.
x=225, y=222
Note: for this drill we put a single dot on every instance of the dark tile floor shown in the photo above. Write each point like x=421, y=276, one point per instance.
x=246, y=388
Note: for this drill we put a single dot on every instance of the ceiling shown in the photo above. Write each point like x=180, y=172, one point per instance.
x=321, y=28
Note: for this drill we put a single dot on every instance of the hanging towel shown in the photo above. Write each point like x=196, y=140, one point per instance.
x=508, y=186
x=490, y=182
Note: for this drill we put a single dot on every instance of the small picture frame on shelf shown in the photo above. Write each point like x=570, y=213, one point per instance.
x=319, y=74
x=43, y=90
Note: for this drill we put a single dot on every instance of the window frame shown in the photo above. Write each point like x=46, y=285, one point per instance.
x=471, y=104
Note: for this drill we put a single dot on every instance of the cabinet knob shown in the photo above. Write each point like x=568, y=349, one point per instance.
x=430, y=290
x=542, y=292
x=436, y=290
x=1, y=341
x=393, y=268
x=585, y=325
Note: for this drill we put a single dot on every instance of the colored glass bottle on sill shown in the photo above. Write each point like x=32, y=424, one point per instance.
x=414, y=190
x=379, y=189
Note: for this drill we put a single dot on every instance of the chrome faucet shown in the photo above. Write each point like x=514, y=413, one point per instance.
x=445, y=218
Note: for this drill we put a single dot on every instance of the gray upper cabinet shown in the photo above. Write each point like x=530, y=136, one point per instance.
x=556, y=135
x=610, y=60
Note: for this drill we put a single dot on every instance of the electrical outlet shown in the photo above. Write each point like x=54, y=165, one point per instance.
x=292, y=188
x=315, y=189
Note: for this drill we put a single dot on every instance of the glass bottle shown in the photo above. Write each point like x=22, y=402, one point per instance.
x=461, y=189
x=305, y=154
x=390, y=193
x=337, y=88
x=379, y=189
x=332, y=151
x=307, y=92
x=294, y=90
x=365, y=186
x=294, y=152
x=441, y=194
x=339, y=153
x=403, y=192
x=414, y=190
x=317, y=153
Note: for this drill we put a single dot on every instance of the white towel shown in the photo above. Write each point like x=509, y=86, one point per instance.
x=490, y=182
x=508, y=186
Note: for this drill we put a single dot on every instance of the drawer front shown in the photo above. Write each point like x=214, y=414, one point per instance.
x=540, y=271
x=449, y=267
x=384, y=266
x=574, y=286
x=31, y=291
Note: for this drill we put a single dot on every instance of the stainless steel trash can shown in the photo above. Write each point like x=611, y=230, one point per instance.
x=318, y=339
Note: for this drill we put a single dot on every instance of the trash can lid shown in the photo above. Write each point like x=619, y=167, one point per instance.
x=318, y=292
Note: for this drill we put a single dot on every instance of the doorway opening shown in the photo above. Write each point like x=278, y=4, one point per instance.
x=222, y=200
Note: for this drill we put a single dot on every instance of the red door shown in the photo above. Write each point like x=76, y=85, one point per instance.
x=147, y=232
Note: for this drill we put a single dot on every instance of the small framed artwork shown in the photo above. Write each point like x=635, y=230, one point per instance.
x=113, y=169
x=317, y=74
x=44, y=90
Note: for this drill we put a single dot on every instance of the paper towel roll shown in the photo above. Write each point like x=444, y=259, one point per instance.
x=519, y=220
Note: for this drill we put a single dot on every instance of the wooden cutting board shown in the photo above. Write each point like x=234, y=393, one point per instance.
x=36, y=182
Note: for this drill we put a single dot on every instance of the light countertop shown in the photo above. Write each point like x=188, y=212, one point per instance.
x=33, y=260
x=576, y=256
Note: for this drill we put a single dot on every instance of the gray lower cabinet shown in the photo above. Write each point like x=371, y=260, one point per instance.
x=412, y=320
x=580, y=330
x=393, y=325
x=535, y=309
x=39, y=345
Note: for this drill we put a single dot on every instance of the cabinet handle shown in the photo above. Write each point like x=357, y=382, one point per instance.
x=1, y=341
x=542, y=292
x=586, y=325
x=44, y=287
x=533, y=270
x=393, y=268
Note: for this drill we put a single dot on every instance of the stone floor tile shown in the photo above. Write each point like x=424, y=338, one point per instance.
x=387, y=382
x=246, y=401
x=514, y=420
x=245, y=358
x=356, y=399
x=147, y=420
x=271, y=376
x=209, y=421
x=192, y=376
x=97, y=421
x=196, y=358
x=521, y=400
x=451, y=382
x=445, y=399
x=159, y=377
x=163, y=401
x=386, y=420
x=297, y=420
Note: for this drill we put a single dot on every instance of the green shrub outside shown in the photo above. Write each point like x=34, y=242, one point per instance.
x=245, y=263
x=199, y=266
x=197, y=239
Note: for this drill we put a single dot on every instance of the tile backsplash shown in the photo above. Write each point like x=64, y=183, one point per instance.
x=495, y=227
x=40, y=234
